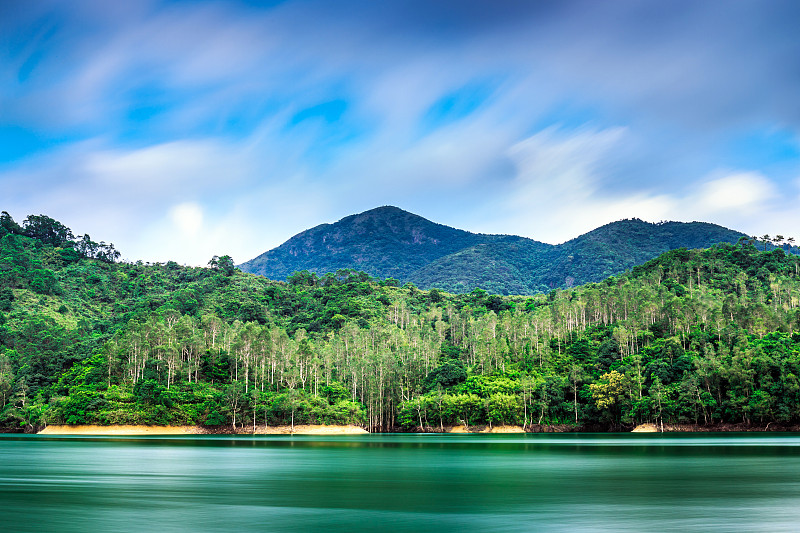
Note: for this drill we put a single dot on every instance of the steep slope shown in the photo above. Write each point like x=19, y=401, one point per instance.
x=383, y=242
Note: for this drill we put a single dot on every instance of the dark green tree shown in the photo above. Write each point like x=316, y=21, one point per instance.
x=47, y=230
x=223, y=264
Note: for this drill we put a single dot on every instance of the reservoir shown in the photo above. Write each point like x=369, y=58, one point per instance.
x=402, y=482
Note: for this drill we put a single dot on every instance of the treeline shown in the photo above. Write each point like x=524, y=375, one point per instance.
x=700, y=336
x=52, y=232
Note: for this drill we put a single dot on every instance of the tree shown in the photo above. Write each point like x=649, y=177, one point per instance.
x=502, y=408
x=576, y=376
x=303, y=278
x=234, y=400
x=7, y=225
x=47, y=230
x=447, y=374
x=86, y=247
x=658, y=395
x=6, y=379
x=223, y=264
x=464, y=408
x=608, y=390
x=291, y=401
x=766, y=238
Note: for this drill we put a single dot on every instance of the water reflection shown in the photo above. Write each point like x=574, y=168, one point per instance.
x=403, y=482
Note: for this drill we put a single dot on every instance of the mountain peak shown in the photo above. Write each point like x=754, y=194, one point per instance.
x=384, y=213
x=384, y=242
x=383, y=210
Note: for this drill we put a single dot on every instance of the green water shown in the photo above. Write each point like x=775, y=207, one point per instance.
x=573, y=482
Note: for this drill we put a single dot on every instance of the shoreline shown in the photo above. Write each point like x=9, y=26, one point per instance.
x=305, y=429
x=716, y=428
x=319, y=429
x=300, y=429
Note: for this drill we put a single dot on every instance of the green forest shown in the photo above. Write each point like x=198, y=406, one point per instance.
x=704, y=336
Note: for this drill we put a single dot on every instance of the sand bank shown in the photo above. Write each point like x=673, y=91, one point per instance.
x=306, y=430
x=692, y=428
x=120, y=430
x=483, y=429
x=504, y=429
x=194, y=430
x=645, y=428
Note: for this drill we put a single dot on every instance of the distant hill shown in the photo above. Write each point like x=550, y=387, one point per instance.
x=390, y=242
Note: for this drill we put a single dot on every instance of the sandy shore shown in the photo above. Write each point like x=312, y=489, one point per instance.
x=504, y=429
x=356, y=430
x=483, y=429
x=306, y=430
x=716, y=428
x=120, y=430
x=194, y=430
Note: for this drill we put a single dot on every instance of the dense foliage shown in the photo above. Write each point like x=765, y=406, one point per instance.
x=701, y=336
x=389, y=242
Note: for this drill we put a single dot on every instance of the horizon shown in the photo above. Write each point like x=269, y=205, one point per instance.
x=179, y=130
x=656, y=223
x=238, y=262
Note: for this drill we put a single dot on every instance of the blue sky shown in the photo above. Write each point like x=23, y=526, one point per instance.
x=180, y=130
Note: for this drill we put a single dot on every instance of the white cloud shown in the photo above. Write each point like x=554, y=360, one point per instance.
x=189, y=200
x=561, y=191
x=558, y=191
x=188, y=218
x=568, y=164
x=168, y=168
x=184, y=201
x=740, y=191
x=747, y=201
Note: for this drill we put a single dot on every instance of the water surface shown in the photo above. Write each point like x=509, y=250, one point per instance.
x=566, y=482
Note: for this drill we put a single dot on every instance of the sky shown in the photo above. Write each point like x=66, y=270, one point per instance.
x=179, y=130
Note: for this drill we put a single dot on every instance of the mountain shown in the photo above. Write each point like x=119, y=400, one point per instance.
x=383, y=242
x=390, y=242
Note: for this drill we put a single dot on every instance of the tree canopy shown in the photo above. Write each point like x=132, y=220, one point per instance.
x=700, y=336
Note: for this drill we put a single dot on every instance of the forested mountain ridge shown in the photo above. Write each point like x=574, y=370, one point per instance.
x=385, y=242
x=389, y=242
x=701, y=336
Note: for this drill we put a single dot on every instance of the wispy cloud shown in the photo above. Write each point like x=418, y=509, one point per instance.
x=184, y=129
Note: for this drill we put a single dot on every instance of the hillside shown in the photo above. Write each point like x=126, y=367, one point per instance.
x=700, y=336
x=389, y=242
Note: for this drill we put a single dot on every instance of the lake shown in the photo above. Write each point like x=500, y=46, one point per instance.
x=402, y=482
